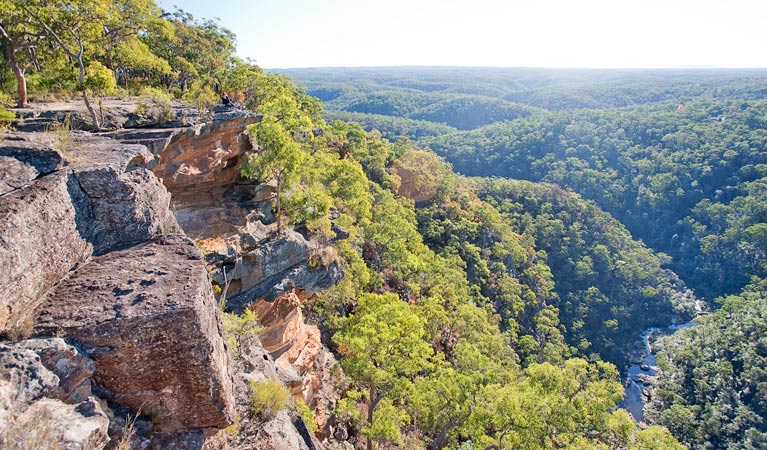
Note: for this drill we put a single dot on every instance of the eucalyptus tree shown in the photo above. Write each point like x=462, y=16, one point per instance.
x=20, y=40
x=72, y=25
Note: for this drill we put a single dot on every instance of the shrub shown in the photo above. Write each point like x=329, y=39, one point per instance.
x=6, y=100
x=6, y=118
x=155, y=104
x=307, y=415
x=241, y=331
x=267, y=398
x=201, y=97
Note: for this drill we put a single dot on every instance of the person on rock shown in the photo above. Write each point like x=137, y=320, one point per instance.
x=225, y=99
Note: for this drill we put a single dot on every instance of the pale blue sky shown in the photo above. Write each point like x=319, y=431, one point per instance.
x=537, y=33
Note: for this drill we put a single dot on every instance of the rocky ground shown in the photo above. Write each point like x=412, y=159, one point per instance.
x=111, y=329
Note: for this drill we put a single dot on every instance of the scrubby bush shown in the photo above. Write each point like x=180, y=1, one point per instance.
x=241, y=331
x=267, y=398
x=6, y=118
x=155, y=104
x=307, y=415
x=201, y=97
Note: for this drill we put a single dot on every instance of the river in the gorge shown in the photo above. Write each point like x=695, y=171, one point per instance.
x=634, y=387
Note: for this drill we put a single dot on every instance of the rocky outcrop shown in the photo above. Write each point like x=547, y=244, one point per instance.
x=73, y=368
x=86, y=255
x=230, y=218
x=297, y=346
x=147, y=316
x=63, y=210
x=33, y=372
x=72, y=427
x=202, y=155
x=277, y=266
x=94, y=256
x=281, y=433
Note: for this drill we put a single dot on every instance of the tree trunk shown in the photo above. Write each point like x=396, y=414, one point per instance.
x=21, y=80
x=279, y=206
x=371, y=407
x=94, y=116
x=18, y=72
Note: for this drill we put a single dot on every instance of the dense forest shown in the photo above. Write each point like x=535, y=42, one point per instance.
x=478, y=312
x=674, y=158
x=713, y=392
x=678, y=157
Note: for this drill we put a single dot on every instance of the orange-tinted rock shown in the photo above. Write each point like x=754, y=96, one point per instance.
x=294, y=343
x=146, y=315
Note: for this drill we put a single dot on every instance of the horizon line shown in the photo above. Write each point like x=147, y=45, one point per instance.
x=415, y=66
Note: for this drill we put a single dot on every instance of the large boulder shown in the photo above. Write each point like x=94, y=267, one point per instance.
x=63, y=205
x=147, y=316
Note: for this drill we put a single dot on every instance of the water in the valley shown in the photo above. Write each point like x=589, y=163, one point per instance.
x=634, y=387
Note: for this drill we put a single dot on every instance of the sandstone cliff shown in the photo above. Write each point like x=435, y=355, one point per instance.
x=94, y=254
x=90, y=254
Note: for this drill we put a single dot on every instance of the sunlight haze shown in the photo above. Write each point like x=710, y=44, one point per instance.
x=547, y=33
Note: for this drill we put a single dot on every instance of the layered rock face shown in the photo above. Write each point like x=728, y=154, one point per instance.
x=86, y=234
x=297, y=346
x=230, y=218
x=199, y=165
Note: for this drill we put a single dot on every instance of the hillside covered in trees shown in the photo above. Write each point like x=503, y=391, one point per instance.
x=475, y=312
x=676, y=157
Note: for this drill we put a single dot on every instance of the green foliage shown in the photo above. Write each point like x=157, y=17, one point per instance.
x=668, y=172
x=306, y=415
x=201, y=97
x=267, y=398
x=155, y=104
x=669, y=175
x=609, y=287
x=713, y=389
x=383, y=346
x=241, y=331
x=6, y=118
x=278, y=159
x=554, y=408
x=99, y=79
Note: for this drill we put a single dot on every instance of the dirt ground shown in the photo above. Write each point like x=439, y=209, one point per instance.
x=77, y=104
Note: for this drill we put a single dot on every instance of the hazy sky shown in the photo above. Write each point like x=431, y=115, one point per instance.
x=540, y=33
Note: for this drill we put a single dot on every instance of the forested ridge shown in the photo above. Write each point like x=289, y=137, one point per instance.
x=474, y=311
x=676, y=157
